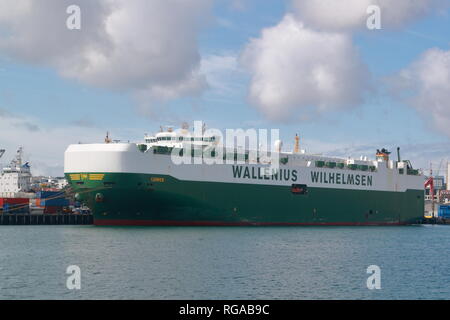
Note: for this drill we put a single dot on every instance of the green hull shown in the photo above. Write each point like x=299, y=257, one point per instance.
x=139, y=199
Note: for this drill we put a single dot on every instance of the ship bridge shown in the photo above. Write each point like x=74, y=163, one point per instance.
x=180, y=138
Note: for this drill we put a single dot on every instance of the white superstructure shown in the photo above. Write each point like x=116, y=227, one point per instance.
x=153, y=156
x=16, y=177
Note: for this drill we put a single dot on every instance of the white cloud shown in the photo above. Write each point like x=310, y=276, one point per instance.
x=298, y=72
x=332, y=14
x=223, y=72
x=425, y=85
x=43, y=146
x=339, y=15
x=125, y=45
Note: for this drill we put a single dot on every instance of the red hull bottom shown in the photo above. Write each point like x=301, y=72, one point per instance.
x=118, y=222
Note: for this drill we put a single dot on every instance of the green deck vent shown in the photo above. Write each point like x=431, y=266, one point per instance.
x=413, y=172
x=320, y=164
x=142, y=147
x=331, y=164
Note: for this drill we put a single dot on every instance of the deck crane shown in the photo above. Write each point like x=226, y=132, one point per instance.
x=430, y=183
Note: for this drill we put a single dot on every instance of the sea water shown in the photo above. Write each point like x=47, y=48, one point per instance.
x=224, y=262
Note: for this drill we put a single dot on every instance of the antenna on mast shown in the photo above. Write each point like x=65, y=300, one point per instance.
x=18, y=159
x=107, y=139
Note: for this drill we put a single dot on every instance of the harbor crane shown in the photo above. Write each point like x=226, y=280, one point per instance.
x=2, y=152
x=430, y=183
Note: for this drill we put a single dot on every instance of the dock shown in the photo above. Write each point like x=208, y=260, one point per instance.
x=435, y=220
x=46, y=219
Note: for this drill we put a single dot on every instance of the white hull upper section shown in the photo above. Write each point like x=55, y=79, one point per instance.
x=126, y=158
x=15, y=178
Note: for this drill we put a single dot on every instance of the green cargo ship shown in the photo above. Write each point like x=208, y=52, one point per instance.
x=144, y=184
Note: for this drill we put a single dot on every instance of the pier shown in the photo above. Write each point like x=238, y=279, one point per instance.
x=46, y=219
x=435, y=220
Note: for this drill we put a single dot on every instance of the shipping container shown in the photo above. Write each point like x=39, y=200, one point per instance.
x=14, y=201
x=444, y=211
x=49, y=194
x=54, y=202
x=15, y=205
x=53, y=209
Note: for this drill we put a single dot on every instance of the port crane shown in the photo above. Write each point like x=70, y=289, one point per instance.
x=430, y=183
x=2, y=152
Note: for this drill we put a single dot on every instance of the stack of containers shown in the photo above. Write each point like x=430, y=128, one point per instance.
x=444, y=211
x=14, y=205
x=51, y=201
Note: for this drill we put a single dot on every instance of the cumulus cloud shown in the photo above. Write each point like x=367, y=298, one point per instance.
x=222, y=72
x=124, y=45
x=297, y=72
x=425, y=85
x=332, y=15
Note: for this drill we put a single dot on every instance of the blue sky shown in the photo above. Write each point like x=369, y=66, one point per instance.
x=42, y=101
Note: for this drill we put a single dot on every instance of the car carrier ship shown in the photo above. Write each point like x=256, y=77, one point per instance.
x=139, y=184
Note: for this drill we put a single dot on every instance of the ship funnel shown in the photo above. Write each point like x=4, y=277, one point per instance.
x=383, y=155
